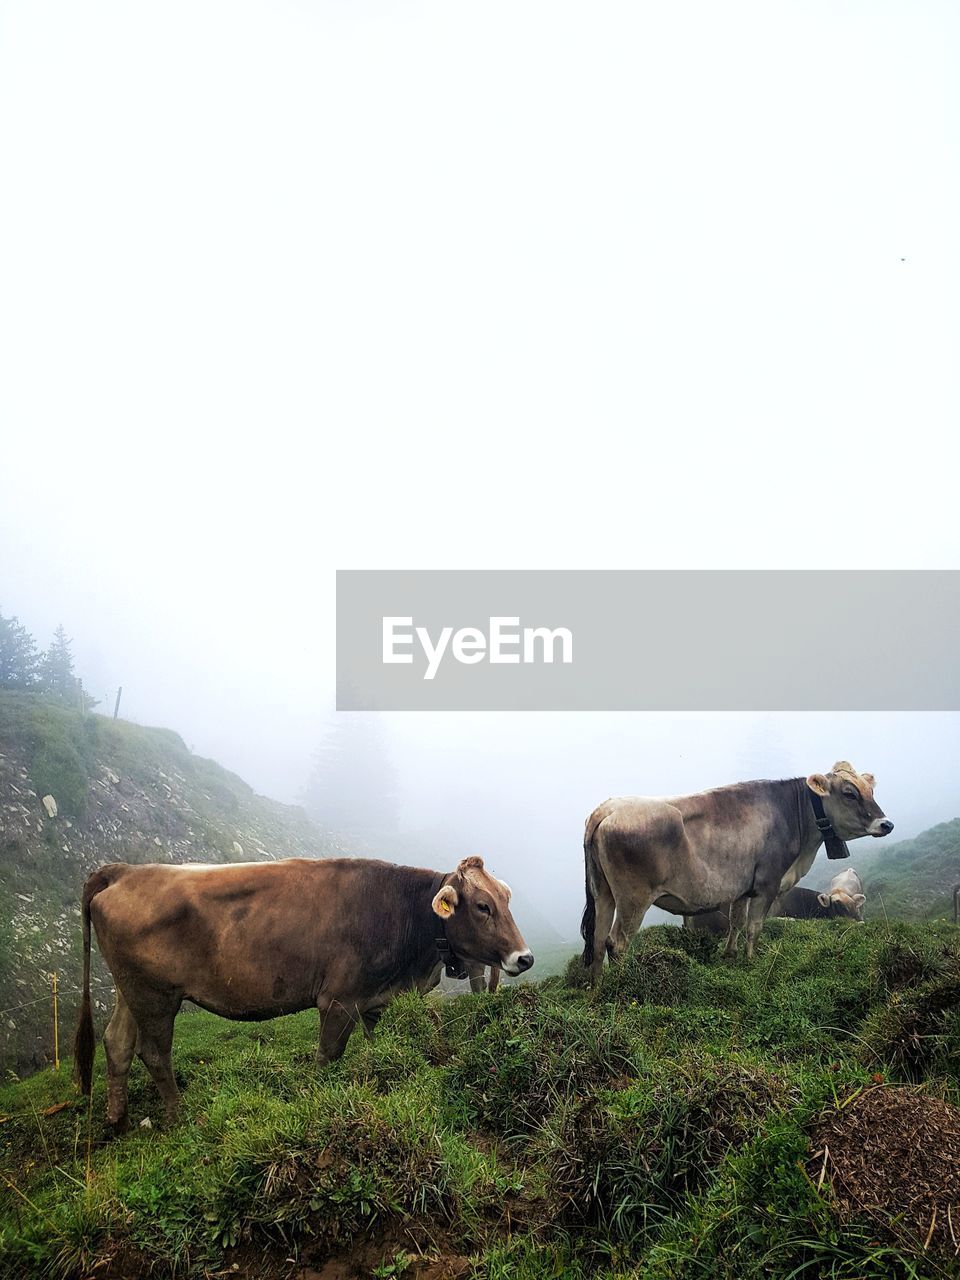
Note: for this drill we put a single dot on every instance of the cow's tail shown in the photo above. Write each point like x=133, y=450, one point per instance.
x=84, y=1045
x=589, y=918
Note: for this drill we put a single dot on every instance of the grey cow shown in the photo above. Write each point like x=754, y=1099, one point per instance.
x=744, y=844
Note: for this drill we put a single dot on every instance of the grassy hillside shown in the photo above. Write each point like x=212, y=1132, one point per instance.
x=911, y=880
x=123, y=793
x=790, y=1118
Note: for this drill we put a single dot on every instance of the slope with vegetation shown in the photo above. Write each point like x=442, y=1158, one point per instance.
x=910, y=880
x=794, y=1117
x=122, y=792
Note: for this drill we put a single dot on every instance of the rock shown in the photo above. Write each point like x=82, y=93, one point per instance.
x=146, y=1123
x=50, y=805
x=109, y=775
x=238, y=848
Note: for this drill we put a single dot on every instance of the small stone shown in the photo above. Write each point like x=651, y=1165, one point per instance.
x=50, y=805
x=146, y=1123
x=237, y=847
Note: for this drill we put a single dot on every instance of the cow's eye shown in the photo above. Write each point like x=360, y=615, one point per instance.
x=850, y=793
x=483, y=908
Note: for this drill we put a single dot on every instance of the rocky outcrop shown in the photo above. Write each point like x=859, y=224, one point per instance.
x=151, y=801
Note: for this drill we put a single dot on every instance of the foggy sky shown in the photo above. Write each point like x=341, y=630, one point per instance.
x=286, y=288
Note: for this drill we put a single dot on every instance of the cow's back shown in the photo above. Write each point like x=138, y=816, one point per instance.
x=255, y=939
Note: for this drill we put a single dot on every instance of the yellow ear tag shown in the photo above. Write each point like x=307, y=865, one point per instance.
x=444, y=908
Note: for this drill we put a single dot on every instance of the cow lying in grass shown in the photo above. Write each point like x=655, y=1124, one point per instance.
x=797, y=904
x=254, y=940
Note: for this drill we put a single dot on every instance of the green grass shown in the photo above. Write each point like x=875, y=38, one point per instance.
x=657, y=1128
x=61, y=746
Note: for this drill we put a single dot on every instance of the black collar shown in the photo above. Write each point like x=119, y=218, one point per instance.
x=453, y=965
x=836, y=848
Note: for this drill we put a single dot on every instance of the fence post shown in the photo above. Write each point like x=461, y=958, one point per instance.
x=116, y=705
x=56, y=1026
x=956, y=905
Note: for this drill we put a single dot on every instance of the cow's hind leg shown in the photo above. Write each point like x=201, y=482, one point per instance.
x=336, y=1024
x=629, y=919
x=154, y=1044
x=605, y=906
x=119, y=1040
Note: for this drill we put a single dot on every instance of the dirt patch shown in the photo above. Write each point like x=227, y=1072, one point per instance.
x=892, y=1154
x=404, y=1256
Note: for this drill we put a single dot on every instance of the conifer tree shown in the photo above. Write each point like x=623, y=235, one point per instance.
x=18, y=655
x=56, y=668
x=353, y=786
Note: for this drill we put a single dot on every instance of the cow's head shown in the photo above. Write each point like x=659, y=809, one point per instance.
x=475, y=908
x=843, y=905
x=848, y=802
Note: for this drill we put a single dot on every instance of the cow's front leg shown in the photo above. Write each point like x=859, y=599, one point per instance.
x=477, y=973
x=370, y=1018
x=336, y=1024
x=759, y=910
x=738, y=919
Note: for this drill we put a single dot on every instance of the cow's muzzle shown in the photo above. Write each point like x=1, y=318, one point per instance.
x=518, y=962
x=881, y=827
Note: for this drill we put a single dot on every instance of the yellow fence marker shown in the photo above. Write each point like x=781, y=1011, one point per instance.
x=56, y=1026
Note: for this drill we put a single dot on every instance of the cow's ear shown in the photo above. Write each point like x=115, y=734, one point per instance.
x=506, y=889
x=869, y=779
x=445, y=903
x=823, y=899
x=859, y=899
x=818, y=783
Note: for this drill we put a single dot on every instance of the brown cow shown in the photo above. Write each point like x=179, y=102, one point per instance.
x=255, y=940
x=745, y=845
